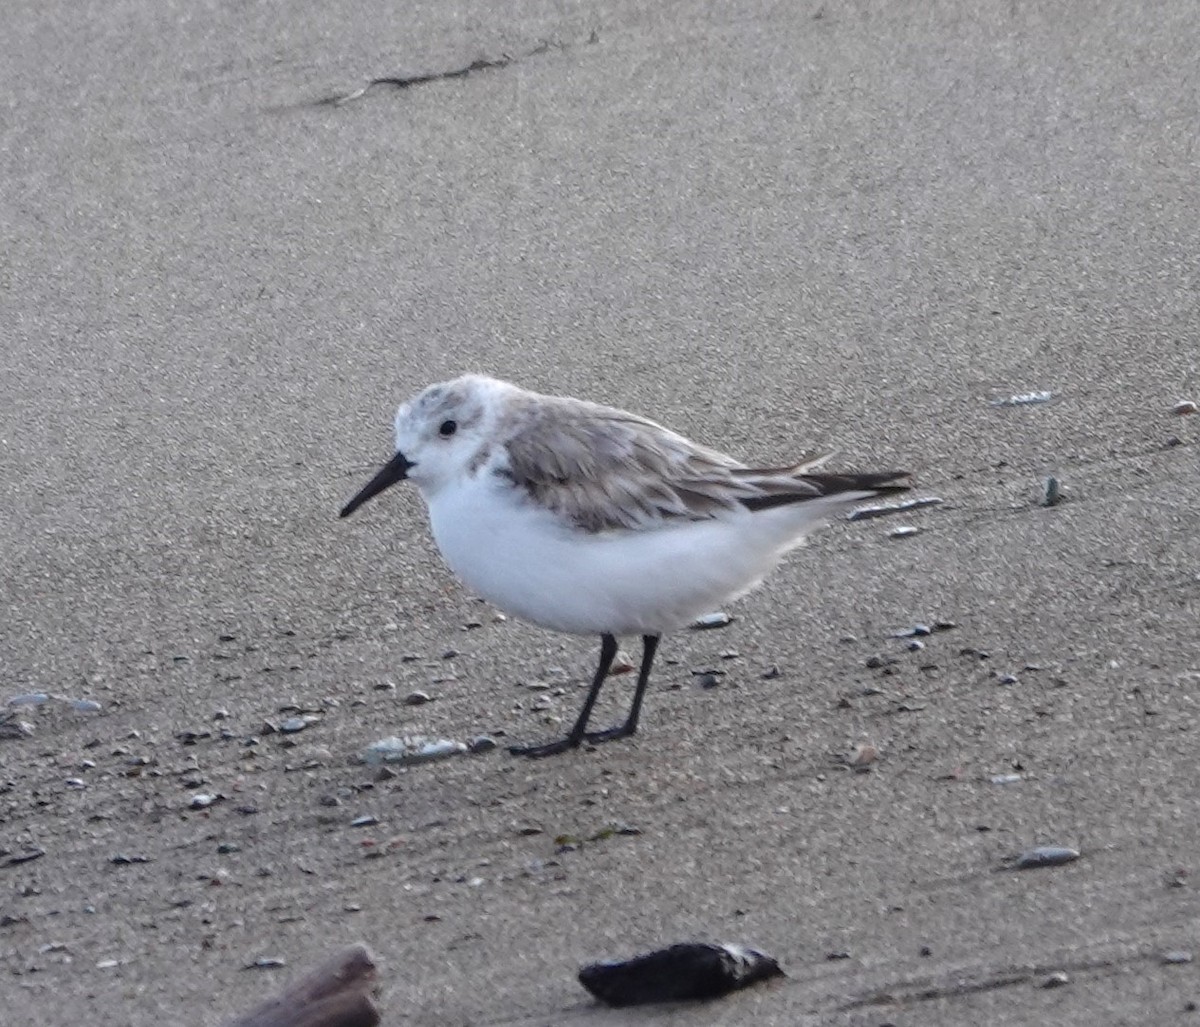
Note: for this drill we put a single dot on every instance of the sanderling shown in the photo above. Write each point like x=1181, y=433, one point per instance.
x=587, y=519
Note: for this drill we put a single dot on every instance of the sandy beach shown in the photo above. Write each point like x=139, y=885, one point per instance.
x=778, y=228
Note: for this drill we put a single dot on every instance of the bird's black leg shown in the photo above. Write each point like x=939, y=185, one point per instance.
x=608, y=652
x=649, y=648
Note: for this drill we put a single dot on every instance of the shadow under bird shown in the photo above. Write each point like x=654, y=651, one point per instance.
x=591, y=520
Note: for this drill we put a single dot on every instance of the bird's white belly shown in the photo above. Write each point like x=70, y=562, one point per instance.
x=529, y=563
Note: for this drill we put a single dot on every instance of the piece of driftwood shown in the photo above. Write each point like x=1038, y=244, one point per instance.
x=337, y=993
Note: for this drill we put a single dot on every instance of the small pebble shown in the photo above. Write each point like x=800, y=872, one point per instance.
x=914, y=645
x=708, y=679
x=266, y=963
x=904, y=531
x=364, y=821
x=771, y=673
x=720, y=619
x=1007, y=679
x=1184, y=407
x=1045, y=856
x=417, y=698
x=202, y=801
x=1055, y=980
x=917, y=630
x=1176, y=956
x=10, y=728
x=1051, y=492
x=1005, y=779
x=411, y=749
x=294, y=724
x=481, y=744
x=862, y=756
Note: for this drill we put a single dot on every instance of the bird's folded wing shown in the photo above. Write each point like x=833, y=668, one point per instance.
x=605, y=469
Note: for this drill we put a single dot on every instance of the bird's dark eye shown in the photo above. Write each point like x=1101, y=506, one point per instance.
x=447, y=429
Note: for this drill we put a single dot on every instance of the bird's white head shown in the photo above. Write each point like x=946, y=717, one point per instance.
x=442, y=435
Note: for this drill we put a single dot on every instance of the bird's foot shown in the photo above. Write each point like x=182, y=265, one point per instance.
x=536, y=752
x=609, y=733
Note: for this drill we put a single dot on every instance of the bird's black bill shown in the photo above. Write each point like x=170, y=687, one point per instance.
x=393, y=471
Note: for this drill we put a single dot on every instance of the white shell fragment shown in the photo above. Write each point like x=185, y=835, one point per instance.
x=720, y=619
x=1025, y=399
x=867, y=513
x=42, y=698
x=1005, y=779
x=690, y=970
x=904, y=531
x=411, y=749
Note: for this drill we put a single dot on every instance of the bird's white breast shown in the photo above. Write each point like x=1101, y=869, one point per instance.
x=532, y=564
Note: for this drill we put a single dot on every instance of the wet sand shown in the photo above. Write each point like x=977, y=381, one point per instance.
x=777, y=228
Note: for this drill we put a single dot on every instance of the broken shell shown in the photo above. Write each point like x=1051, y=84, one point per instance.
x=1184, y=407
